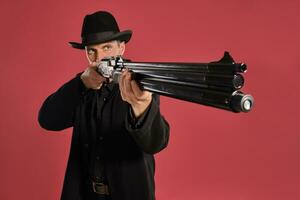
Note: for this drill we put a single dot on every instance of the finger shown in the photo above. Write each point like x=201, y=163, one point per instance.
x=126, y=85
x=121, y=86
x=133, y=89
x=131, y=98
x=145, y=96
x=93, y=69
x=136, y=89
x=95, y=73
x=94, y=64
x=95, y=77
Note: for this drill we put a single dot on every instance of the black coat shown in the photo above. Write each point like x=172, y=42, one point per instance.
x=129, y=160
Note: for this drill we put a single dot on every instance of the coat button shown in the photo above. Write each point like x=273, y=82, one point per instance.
x=104, y=99
x=86, y=145
x=98, y=158
x=100, y=138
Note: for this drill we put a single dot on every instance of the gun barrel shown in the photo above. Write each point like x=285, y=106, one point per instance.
x=233, y=101
x=222, y=68
x=215, y=84
x=232, y=81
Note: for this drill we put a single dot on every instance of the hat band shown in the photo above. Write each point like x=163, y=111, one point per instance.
x=96, y=37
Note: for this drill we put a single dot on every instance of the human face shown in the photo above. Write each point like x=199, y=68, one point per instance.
x=97, y=52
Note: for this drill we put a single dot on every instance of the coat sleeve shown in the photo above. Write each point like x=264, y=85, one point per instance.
x=152, y=135
x=57, y=111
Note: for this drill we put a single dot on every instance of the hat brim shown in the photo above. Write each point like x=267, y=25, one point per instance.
x=123, y=36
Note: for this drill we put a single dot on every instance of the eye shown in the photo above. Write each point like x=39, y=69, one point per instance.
x=107, y=48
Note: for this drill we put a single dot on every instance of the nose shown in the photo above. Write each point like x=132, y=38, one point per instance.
x=100, y=56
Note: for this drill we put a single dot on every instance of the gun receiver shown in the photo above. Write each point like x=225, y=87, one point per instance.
x=215, y=84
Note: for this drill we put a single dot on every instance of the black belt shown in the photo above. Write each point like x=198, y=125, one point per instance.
x=100, y=188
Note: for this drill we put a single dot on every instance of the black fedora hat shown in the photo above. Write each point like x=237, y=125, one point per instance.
x=100, y=27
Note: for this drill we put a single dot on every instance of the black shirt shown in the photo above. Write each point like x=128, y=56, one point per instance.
x=103, y=98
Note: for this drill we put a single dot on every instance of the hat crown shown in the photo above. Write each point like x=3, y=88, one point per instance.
x=98, y=22
x=100, y=27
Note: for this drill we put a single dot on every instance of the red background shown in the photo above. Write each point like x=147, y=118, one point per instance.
x=213, y=154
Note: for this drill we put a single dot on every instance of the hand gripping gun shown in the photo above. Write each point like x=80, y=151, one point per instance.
x=215, y=84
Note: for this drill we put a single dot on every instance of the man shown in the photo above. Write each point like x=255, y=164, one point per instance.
x=116, y=126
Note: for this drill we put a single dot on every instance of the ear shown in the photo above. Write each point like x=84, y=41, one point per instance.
x=122, y=48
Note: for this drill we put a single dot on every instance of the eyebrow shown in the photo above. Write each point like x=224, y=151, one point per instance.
x=94, y=49
x=105, y=45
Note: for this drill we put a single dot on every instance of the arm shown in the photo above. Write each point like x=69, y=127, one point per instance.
x=151, y=132
x=58, y=109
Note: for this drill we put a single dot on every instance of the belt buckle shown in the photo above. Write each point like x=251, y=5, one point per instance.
x=100, y=188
